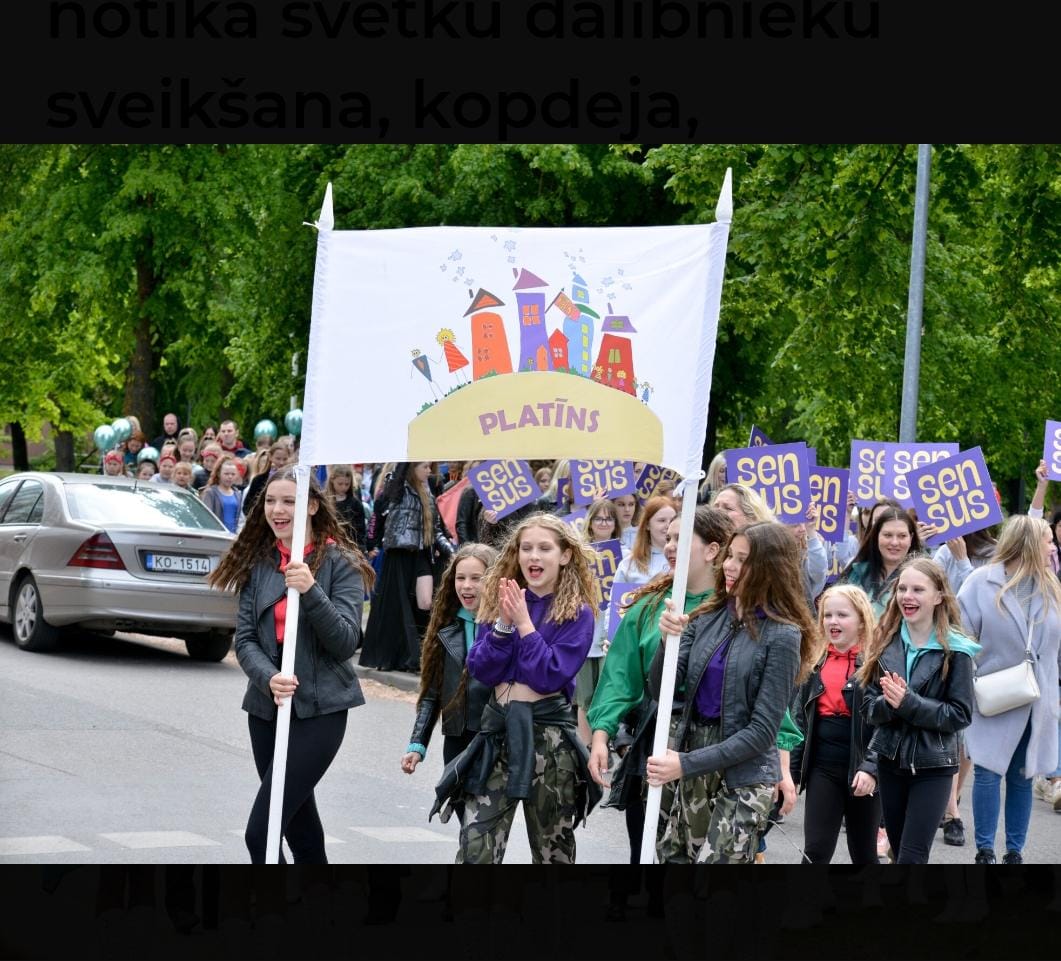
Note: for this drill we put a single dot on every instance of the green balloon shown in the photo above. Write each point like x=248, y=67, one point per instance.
x=122, y=429
x=266, y=428
x=104, y=437
x=293, y=422
x=147, y=453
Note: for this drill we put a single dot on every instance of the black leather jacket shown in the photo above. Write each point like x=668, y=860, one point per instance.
x=757, y=685
x=468, y=509
x=329, y=626
x=923, y=731
x=805, y=713
x=399, y=524
x=435, y=701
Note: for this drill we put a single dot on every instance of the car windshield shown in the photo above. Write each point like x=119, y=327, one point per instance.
x=158, y=508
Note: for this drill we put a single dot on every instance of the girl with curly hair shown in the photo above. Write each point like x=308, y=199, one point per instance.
x=535, y=629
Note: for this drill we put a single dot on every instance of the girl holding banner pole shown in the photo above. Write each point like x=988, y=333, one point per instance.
x=331, y=578
x=740, y=655
x=535, y=629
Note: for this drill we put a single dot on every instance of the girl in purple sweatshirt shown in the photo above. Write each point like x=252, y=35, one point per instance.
x=535, y=629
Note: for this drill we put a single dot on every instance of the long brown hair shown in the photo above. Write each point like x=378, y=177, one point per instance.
x=256, y=541
x=946, y=619
x=641, y=552
x=869, y=549
x=574, y=585
x=771, y=582
x=712, y=526
x=443, y=612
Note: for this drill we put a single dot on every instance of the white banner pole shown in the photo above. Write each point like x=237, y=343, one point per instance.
x=701, y=398
x=670, y=660
x=298, y=542
x=287, y=666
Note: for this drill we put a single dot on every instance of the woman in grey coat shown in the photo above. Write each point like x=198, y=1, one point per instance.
x=1001, y=604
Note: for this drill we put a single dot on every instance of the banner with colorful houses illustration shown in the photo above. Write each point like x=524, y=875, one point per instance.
x=511, y=343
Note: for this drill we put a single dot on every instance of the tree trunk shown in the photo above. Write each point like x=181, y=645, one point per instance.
x=139, y=384
x=64, y=450
x=19, y=450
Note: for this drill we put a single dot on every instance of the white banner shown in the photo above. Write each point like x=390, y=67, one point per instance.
x=445, y=343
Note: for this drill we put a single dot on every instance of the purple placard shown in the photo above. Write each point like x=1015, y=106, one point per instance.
x=651, y=476
x=562, y=486
x=835, y=567
x=779, y=474
x=828, y=489
x=758, y=439
x=609, y=554
x=955, y=494
x=812, y=457
x=504, y=485
x=591, y=479
x=577, y=519
x=620, y=598
x=1052, y=449
x=879, y=468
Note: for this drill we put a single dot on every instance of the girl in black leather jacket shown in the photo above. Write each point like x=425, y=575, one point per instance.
x=446, y=690
x=918, y=676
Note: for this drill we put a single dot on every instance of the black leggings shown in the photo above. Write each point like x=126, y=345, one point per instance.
x=313, y=742
x=913, y=806
x=829, y=800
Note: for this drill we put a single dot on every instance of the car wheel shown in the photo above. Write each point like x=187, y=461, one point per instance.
x=32, y=632
x=209, y=647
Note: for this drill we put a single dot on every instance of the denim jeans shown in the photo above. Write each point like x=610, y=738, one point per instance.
x=986, y=800
x=1057, y=772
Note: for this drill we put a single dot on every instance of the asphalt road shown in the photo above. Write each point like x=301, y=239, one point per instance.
x=123, y=750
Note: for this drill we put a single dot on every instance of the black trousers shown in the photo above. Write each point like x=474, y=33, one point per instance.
x=829, y=801
x=913, y=806
x=313, y=743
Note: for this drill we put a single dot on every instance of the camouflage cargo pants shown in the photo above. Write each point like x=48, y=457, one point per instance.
x=702, y=820
x=549, y=809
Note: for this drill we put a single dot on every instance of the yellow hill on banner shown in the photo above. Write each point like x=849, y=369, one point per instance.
x=537, y=414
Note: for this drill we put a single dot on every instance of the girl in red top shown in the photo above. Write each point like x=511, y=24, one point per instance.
x=834, y=764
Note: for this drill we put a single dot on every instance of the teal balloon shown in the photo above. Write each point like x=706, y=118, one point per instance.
x=104, y=437
x=293, y=422
x=266, y=428
x=147, y=453
x=122, y=429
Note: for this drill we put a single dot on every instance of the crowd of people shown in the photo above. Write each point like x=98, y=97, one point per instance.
x=858, y=696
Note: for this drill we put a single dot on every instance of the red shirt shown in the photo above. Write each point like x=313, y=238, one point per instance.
x=280, y=607
x=837, y=669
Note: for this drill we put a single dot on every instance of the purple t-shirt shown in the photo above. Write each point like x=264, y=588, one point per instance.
x=546, y=660
x=709, y=694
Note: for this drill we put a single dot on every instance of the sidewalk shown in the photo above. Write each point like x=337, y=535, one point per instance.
x=402, y=680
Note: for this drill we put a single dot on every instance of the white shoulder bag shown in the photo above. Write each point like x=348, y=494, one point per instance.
x=1012, y=687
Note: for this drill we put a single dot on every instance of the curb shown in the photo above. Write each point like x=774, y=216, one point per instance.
x=401, y=680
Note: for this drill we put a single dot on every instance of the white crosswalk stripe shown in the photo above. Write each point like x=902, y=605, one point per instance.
x=40, y=844
x=160, y=839
x=405, y=835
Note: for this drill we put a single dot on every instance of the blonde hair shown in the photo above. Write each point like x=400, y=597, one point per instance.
x=575, y=585
x=752, y=506
x=859, y=601
x=1020, y=543
x=339, y=470
x=716, y=473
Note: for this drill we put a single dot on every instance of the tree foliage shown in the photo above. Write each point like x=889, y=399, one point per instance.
x=137, y=279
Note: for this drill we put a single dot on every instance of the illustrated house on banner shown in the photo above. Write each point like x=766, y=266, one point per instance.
x=579, y=320
x=489, y=341
x=530, y=302
x=615, y=362
x=558, y=347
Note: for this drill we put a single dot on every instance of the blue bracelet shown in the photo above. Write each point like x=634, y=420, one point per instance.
x=418, y=748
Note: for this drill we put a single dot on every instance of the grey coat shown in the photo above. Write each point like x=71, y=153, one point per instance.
x=758, y=683
x=991, y=741
x=329, y=626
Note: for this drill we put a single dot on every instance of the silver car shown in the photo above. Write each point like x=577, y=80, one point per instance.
x=111, y=554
